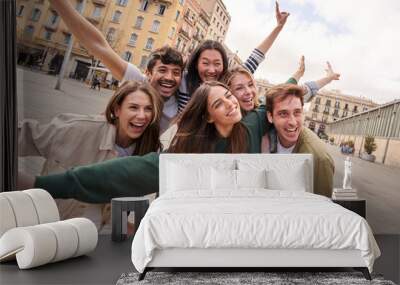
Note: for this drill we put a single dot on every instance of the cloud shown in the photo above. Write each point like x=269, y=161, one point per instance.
x=358, y=37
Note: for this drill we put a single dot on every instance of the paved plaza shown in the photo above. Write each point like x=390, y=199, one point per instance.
x=37, y=99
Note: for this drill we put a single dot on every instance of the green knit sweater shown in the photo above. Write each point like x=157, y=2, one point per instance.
x=131, y=176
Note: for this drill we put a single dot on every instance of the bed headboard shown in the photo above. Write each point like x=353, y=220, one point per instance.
x=290, y=170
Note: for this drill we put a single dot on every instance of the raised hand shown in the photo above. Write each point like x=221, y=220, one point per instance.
x=330, y=73
x=300, y=70
x=281, y=17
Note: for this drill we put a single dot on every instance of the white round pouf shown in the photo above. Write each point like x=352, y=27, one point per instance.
x=67, y=240
x=7, y=218
x=45, y=205
x=23, y=208
x=33, y=246
x=87, y=234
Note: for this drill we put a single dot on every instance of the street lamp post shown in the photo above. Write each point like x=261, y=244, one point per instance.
x=67, y=55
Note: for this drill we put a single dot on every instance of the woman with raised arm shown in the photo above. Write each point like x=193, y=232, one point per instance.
x=129, y=127
x=243, y=86
x=212, y=122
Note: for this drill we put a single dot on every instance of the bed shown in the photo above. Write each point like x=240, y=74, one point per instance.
x=246, y=211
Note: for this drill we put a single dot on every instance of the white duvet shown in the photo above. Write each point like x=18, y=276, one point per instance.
x=252, y=218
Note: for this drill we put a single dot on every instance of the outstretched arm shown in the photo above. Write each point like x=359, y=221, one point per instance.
x=312, y=87
x=330, y=76
x=90, y=37
x=300, y=70
x=258, y=54
x=294, y=79
x=99, y=183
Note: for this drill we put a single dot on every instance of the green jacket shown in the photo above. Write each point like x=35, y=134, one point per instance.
x=130, y=176
x=324, y=166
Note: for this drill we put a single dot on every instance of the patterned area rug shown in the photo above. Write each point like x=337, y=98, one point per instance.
x=269, y=278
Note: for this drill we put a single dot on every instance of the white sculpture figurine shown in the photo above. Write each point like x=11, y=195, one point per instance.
x=347, y=174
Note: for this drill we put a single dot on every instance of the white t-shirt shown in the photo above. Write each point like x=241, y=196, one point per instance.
x=124, y=151
x=282, y=149
x=170, y=106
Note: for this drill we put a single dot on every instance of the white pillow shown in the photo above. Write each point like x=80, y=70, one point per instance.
x=188, y=177
x=291, y=179
x=224, y=179
x=251, y=178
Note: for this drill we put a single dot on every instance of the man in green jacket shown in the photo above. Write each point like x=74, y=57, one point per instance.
x=284, y=105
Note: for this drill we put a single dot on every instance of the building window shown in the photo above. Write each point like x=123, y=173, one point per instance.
x=47, y=35
x=317, y=100
x=344, y=114
x=161, y=9
x=326, y=110
x=20, y=10
x=143, y=62
x=67, y=38
x=171, y=33
x=149, y=44
x=139, y=22
x=144, y=5
x=178, y=43
x=36, y=14
x=337, y=104
x=355, y=110
x=177, y=15
x=122, y=2
x=328, y=103
x=217, y=9
x=336, y=113
x=116, y=17
x=127, y=56
x=96, y=12
x=110, y=35
x=346, y=106
x=53, y=19
x=155, y=26
x=28, y=32
x=316, y=108
x=133, y=39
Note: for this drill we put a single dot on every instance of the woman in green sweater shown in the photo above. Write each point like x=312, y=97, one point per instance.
x=211, y=123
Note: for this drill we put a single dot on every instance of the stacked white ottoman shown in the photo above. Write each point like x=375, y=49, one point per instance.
x=31, y=230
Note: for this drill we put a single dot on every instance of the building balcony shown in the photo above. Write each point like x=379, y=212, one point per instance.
x=93, y=19
x=184, y=33
x=51, y=27
x=100, y=2
x=167, y=2
x=189, y=19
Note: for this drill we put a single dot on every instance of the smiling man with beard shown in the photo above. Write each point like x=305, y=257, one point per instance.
x=284, y=104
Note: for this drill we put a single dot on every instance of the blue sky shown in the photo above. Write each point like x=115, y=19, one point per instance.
x=358, y=37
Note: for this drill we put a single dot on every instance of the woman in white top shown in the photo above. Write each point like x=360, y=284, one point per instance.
x=130, y=126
